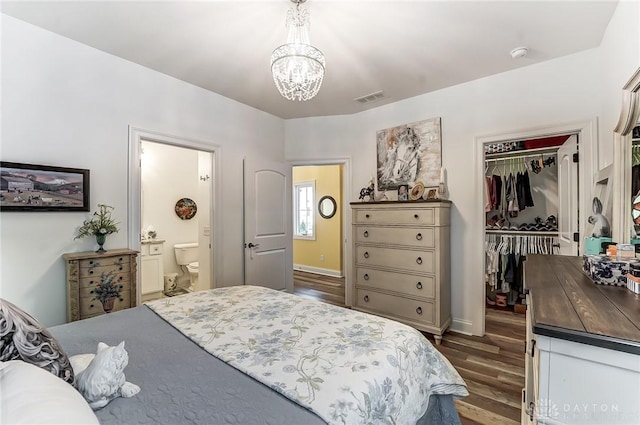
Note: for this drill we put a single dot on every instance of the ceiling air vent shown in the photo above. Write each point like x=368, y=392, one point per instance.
x=368, y=98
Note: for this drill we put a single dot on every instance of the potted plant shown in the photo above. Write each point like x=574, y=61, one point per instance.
x=107, y=290
x=100, y=225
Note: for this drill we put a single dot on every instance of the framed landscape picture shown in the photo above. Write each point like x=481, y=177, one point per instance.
x=29, y=187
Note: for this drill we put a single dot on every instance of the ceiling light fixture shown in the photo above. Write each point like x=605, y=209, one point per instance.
x=297, y=66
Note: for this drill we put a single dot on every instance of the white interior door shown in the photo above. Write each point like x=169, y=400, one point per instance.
x=268, y=226
x=568, y=197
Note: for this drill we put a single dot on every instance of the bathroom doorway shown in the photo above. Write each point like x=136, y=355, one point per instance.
x=176, y=199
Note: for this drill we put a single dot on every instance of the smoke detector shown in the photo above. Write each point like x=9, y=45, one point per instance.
x=519, y=52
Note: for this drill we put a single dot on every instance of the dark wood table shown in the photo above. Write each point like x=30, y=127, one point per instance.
x=566, y=304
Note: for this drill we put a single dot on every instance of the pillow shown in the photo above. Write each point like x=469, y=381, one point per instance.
x=23, y=338
x=31, y=395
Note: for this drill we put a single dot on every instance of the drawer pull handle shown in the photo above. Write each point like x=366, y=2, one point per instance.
x=367, y=216
x=419, y=285
x=366, y=254
x=419, y=236
x=419, y=260
x=416, y=216
x=366, y=234
x=366, y=276
x=366, y=298
x=419, y=310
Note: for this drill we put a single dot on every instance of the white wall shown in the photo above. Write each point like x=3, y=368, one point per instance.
x=67, y=104
x=542, y=95
x=619, y=59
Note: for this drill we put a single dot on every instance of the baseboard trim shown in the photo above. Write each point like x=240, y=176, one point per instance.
x=318, y=270
x=462, y=326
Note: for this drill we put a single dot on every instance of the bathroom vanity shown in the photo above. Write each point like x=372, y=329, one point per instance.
x=152, y=264
x=85, y=270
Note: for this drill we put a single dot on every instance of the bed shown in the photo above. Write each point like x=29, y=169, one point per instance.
x=251, y=355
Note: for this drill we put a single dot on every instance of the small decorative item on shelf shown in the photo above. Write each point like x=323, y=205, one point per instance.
x=367, y=194
x=403, y=192
x=442, y=191
x=100, y=225
x=107, y=290
x=601, y=227
x=416, y=191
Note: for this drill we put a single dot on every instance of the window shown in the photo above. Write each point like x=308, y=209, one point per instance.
x=304, y=210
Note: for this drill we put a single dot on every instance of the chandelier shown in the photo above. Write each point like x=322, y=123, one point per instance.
x=297, y=66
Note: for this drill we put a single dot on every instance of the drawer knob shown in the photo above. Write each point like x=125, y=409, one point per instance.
x=416, y=216
x=90, y=271
x=419, y=285
x=419, y=260
x=419, y=310
x=366, y=276
x=366, y=254
x=366, y=298
x=91, y=306
x=366, y=234
x=366, y=216
x=419, y=236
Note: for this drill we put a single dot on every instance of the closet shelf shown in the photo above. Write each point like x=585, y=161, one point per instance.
x=521, y=232
x=521, y=153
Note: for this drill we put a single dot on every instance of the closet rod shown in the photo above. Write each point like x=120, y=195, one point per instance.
x=525, y=156
x=520, y=153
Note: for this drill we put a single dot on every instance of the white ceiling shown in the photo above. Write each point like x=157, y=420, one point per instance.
x=404, y=48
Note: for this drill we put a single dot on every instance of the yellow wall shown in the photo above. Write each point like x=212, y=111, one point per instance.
x=328, y=180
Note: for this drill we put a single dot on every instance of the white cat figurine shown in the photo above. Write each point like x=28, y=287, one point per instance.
x=100, y=377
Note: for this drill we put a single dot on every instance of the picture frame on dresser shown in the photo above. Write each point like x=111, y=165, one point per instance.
x=31, y=187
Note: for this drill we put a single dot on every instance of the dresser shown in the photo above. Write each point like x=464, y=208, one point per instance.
x=582, y=363
x=86, y=269
x=401, y=262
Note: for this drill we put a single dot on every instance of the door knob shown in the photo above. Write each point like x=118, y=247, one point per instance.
x=253, y=245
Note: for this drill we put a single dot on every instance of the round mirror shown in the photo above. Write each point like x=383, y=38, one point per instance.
x=327, y=206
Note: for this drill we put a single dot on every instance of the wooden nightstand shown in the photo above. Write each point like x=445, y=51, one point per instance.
x=84, y=270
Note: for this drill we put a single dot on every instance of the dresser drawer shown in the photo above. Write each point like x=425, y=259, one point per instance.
x=88, y=284
x=96, y=271
x=412, y=285
x=414, y=216
x=91, y=307
x=403, y=259
x=424, y=238
x=115, y=260
x=391, y=305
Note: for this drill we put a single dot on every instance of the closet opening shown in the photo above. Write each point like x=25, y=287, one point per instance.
x=531, y=207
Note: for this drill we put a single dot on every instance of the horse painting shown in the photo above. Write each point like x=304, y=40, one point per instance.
x=407, y=153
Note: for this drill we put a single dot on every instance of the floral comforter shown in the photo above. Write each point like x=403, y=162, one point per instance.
x=347, y=367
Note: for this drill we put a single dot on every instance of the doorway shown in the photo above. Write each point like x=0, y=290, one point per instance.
x=584, y=133
x=172, y=193
x=319, y=245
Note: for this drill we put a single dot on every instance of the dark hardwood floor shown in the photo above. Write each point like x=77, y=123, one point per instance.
x=492, y=365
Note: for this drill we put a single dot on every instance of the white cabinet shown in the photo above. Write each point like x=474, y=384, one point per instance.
x=152, y=267
x=568, y=382
x=401, y=262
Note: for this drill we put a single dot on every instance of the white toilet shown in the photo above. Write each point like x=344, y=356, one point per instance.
x=187, y=258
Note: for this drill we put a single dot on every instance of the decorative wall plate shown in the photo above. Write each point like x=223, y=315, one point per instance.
x=186, y=208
